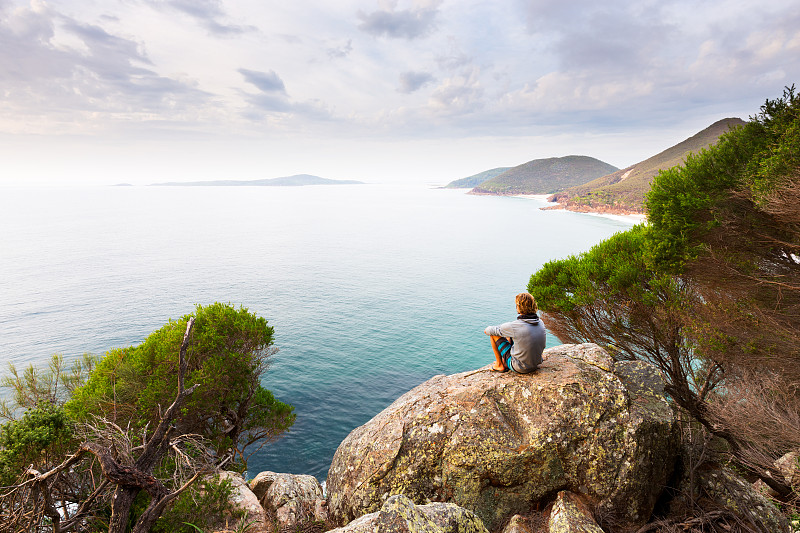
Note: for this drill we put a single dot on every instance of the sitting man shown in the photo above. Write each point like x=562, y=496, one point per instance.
x=518, y=345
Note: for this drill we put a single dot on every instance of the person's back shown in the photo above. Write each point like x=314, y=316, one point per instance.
x=518, y=345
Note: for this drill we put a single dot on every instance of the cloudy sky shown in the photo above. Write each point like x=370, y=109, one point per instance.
x=106, y=91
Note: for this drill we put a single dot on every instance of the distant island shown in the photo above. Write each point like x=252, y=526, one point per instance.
x=297, y=180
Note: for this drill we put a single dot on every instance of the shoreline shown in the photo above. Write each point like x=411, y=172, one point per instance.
x=621, y=215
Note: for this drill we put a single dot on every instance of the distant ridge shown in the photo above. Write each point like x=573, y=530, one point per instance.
x=285, y=181
x=476, y=179
x=623, y=191
x=545, y=176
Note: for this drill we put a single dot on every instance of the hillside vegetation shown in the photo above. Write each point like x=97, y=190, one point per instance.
x=624, y=190
x=545, y=176
x=476, y=179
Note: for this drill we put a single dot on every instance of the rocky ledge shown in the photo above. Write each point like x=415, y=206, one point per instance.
x=502, y=444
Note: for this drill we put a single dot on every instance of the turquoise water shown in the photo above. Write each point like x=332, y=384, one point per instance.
x=372, y=289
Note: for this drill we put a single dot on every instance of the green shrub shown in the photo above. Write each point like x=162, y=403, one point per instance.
x=227, y=357
x=39, y=438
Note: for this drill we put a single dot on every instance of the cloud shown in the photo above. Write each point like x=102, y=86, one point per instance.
x=615, y=62
x=340, y=51
x=58, y=70
x=459, y=94
x=412, y=81
x=268, y=82
x=612, y=35
x=272, y=99
x=408, y=24
x=208, y=13
x=454, y=57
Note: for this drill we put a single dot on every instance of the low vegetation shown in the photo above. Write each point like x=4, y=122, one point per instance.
x=127, y=441
x=625, y=189
x=708, y=291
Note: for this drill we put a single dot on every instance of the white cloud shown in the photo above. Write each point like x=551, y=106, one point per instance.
x=460, y=93
x=417, y=21
x=268, y=82
x=412, y=81
x=208, y=13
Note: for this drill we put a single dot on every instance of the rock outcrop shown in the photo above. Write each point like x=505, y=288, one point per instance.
x=498, y=444
x=400, y=515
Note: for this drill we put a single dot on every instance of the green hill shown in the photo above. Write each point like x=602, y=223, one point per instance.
x=624, y=189
x=286, y=181
x=476, y=179
x=545, y=176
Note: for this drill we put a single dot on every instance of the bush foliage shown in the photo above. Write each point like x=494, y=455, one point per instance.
x=227, y=356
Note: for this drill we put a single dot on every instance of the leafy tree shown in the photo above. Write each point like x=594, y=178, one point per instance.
x=709, y=290
x=133, y=437
x=612, y=295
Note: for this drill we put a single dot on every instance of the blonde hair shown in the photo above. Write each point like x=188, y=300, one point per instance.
x=526, y=304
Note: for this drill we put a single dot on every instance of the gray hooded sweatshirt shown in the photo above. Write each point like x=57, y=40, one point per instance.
x=529, y=338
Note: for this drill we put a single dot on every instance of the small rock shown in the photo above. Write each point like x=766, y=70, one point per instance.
x=789, y=467
x=400, y=515
x=262, y=482
x=518, y=524
x=570, y=515
x=243, y=498
x=294, y=499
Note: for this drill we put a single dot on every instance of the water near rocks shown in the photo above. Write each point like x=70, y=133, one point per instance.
x=372, y=289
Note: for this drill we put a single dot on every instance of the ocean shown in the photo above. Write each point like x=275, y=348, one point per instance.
x=371, y=289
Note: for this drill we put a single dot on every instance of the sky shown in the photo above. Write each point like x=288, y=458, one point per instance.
x=424, y=91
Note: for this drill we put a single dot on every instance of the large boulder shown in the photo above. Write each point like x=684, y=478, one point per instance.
x=498, y=444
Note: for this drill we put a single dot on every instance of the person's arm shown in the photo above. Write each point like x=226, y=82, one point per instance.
x=503, y=330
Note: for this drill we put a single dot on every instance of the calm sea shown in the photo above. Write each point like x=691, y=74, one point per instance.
x=372, y=289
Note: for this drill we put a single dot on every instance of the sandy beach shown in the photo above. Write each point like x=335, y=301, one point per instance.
x=631, y=219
